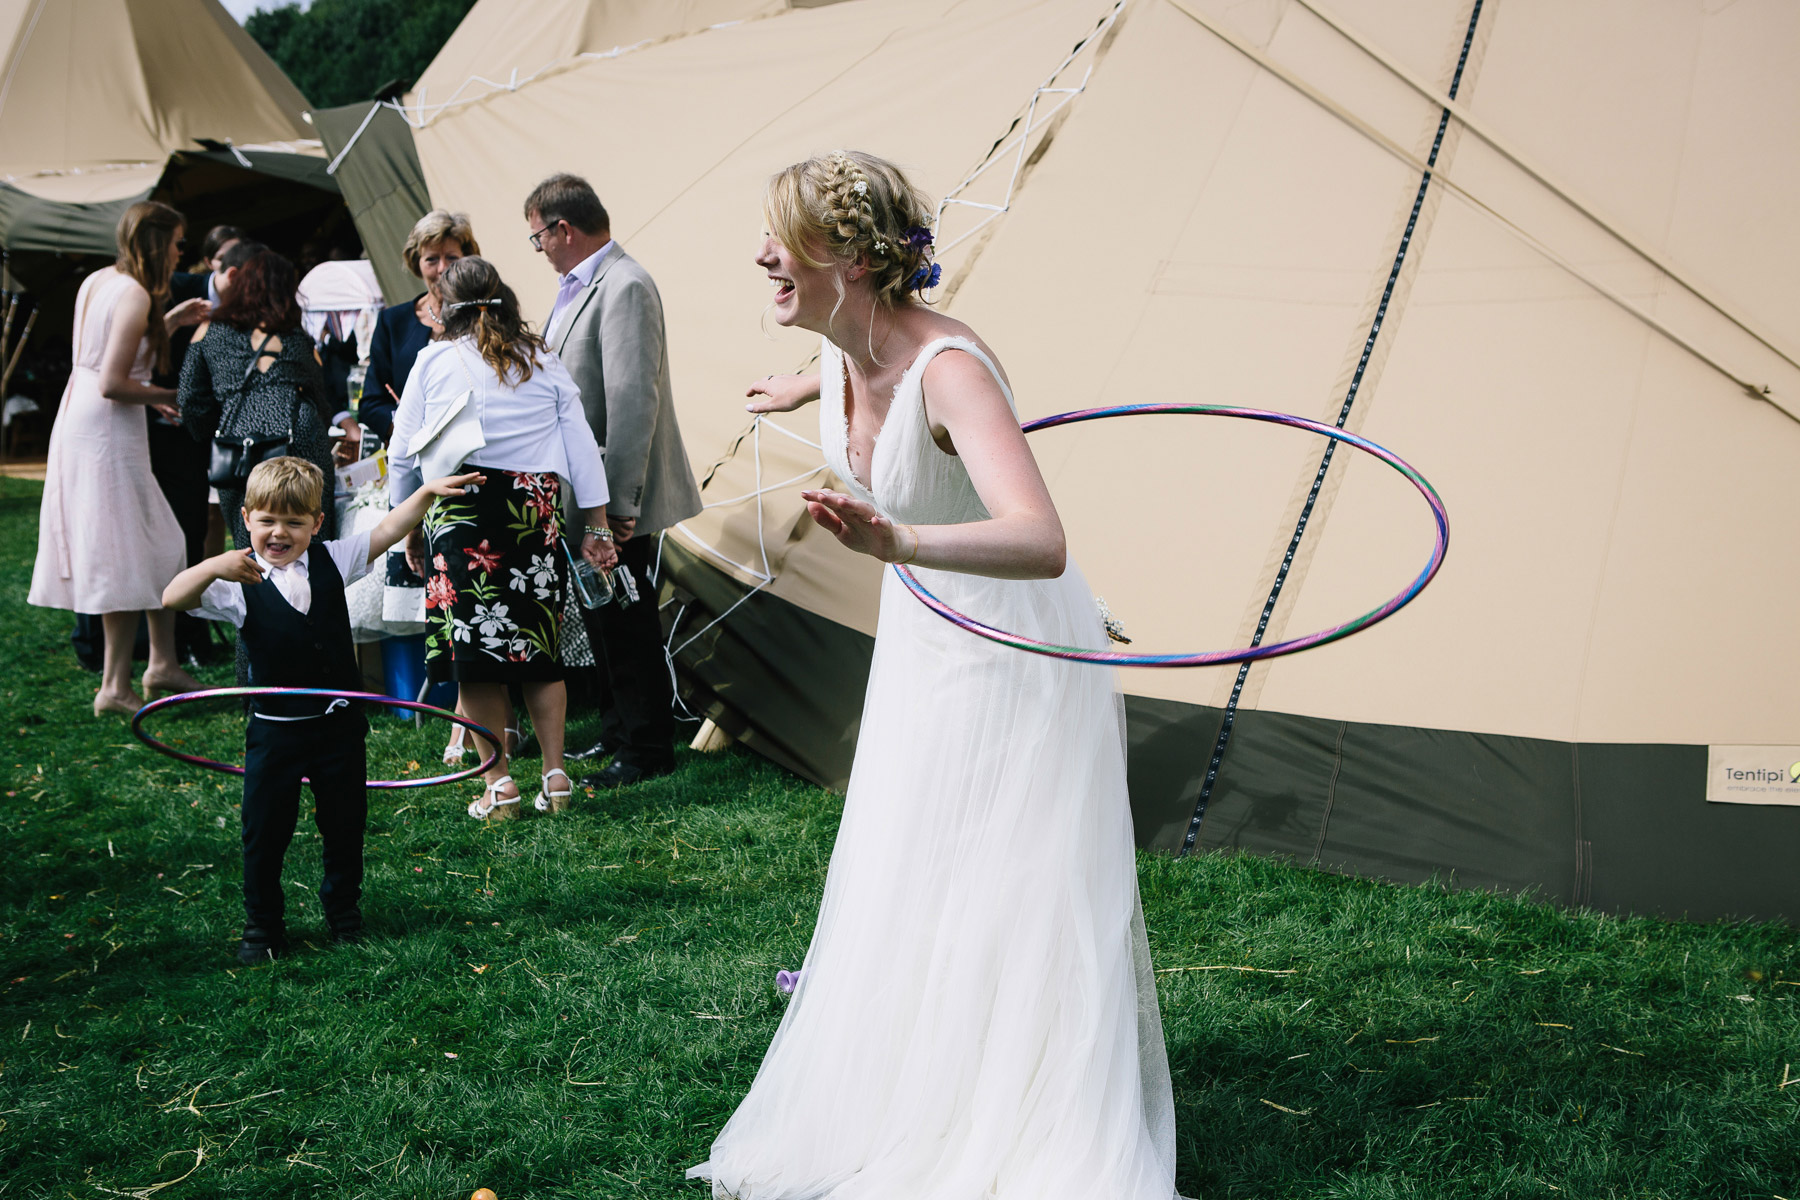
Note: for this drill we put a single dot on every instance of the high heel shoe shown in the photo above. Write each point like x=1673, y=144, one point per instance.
x=490, y=807
x=549, y=801
x=455, y=750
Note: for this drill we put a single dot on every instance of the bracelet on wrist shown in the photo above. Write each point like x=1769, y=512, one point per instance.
x=914, y=552
x=601, y=532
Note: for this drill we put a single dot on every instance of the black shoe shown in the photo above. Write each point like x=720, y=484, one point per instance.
x=619, y=773
x=600, y=749
x=261, y=945
x=346, y=928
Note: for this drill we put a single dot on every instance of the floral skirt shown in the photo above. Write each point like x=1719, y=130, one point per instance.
x=494, y=596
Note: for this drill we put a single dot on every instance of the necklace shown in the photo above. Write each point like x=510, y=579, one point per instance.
x=431, y=311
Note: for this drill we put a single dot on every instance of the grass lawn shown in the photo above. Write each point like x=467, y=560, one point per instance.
x=571, y=1007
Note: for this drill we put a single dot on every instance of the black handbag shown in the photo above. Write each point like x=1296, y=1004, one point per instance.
x=233, y=458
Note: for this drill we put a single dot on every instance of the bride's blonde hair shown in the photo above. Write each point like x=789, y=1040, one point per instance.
x=856, y=207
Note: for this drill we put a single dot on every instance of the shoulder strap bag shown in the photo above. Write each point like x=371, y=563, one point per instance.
x=233, y=458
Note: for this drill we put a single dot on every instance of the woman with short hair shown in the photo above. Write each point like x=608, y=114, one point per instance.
x=494, y=556
x=108, y=542
x=438, y=239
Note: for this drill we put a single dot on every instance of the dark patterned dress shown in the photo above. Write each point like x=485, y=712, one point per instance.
x=221, y=395
x=494, y=597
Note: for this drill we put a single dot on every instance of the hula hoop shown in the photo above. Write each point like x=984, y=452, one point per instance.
x=1209, y=658
x=137, y=728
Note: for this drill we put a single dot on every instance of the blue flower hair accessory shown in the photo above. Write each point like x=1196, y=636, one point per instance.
x=918, y=237
x=924, y=277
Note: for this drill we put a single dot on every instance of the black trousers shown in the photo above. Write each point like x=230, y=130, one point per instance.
x=179, y=464
x=634, y=692
x=332, y=753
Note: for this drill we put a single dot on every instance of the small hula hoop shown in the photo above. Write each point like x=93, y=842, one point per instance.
x=1214, y=657
x=137, y=728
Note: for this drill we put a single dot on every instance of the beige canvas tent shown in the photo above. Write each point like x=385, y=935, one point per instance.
x=103, y=101
x=1541, y=250
x=107, y=102
x=500, y=45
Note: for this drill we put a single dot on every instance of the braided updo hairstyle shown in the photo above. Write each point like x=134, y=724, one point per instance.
x=857, y=207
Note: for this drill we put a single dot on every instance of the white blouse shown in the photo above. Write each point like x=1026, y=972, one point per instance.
x=538, y=425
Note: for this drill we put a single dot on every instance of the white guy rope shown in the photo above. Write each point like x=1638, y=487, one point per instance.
x=1033, y=121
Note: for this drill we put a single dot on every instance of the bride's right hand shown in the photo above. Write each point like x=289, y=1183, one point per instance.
x=782, y=393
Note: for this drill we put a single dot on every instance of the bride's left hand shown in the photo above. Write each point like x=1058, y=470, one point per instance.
x=856, y=524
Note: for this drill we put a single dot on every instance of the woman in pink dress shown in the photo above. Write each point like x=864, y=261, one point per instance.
x=108, y=542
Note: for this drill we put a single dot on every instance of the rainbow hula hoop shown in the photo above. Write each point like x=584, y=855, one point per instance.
x=1210, y=658
x=137, y=728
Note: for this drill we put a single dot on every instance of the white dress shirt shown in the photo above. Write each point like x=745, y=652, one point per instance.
x=537, y=426
x=572, y=285
x=223, y=599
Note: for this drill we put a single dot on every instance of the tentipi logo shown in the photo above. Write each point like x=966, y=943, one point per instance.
x=1753, y=774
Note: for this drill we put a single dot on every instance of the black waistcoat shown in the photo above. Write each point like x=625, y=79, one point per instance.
x=287, y=649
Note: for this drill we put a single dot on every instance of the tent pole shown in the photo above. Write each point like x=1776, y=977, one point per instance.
x=1226, y=724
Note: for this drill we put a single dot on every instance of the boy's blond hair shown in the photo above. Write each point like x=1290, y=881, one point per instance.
x=288, y=486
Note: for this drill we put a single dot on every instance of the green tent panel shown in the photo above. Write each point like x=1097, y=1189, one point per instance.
x=382, y=183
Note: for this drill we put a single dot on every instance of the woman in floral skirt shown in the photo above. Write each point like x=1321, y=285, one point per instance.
x=493, y=558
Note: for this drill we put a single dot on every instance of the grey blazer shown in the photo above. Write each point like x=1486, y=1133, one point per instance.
x=613, y=343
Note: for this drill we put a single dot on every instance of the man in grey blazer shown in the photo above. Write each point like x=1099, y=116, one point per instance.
x=607, y=327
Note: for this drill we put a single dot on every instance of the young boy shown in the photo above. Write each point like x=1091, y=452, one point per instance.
x=286, y=596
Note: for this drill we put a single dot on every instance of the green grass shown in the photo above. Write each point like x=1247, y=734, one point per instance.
x=572, y=1007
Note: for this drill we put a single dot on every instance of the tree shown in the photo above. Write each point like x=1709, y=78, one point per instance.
x=341, y=51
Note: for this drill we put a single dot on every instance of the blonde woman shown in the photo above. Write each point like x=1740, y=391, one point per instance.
x=437, y=240
x=107, y=540
x=976, y=1015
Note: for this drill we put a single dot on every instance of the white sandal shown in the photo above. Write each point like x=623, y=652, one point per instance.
x=554, y=802
x=455, y=751
x=490, y=807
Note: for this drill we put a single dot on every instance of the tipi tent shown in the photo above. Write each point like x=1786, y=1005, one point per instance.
x=103, y=102
x=499, y=45
x=1541, y=250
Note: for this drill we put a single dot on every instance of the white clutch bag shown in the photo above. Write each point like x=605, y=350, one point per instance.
x=449, y=432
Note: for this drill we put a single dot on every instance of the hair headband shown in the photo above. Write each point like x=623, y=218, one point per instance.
x=450, y=308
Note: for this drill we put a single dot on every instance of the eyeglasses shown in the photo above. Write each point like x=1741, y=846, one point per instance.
x=536, y=238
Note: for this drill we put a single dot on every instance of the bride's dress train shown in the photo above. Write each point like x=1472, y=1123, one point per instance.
x=977, y=1016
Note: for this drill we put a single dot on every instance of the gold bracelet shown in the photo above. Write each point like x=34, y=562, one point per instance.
x=915, y=549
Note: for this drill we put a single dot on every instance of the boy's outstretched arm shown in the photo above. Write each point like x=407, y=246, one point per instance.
x=184, y=591
x=410, y=511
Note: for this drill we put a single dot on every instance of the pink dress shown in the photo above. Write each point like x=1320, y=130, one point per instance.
x=107, y=540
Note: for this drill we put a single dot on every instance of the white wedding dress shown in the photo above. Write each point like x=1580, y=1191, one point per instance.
x=977, y=1014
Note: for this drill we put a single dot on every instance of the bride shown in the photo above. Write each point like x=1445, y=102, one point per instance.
x=976, y=1016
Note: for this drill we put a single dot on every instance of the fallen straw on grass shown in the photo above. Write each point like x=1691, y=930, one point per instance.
x=1249, y=970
